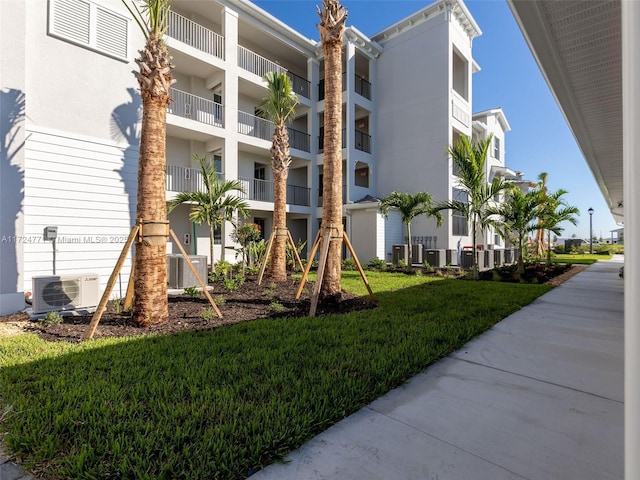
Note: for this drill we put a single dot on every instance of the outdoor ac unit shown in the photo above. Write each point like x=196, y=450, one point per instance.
x=65, y=292
x=179, y=275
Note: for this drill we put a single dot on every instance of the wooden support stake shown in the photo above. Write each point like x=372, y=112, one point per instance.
x=307, y=269
x=193, y=270
x=266, y=257
x=128, y=299
x=324, y=253
x=110, y=284
x=355, y=258
x=295, y=250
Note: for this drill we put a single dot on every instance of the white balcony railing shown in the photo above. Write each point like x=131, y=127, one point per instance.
x=255, y=126
x=184, y=179
x=257, y=64
x=196, y=108
x=460, y=112
x=262, y=191
x=195, y=35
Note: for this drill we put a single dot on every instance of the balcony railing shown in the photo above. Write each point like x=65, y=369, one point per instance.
x=460, y=112
x=321, y=139
x=299, y=140
x=255, y=126
x=196, y=108
x=321, y=91
x=363, y=141
x=363, y=87
x=184, y=179
x=300, y=85
x=257, y=64
x=195, y=35
x=262, y=191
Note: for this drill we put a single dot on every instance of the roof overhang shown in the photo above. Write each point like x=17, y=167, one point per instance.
x=578, y=47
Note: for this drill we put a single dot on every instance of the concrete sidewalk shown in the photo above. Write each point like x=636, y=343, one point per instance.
x=539, y=396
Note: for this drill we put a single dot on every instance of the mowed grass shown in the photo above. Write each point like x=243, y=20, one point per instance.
x=579, y=258
x=224, y=403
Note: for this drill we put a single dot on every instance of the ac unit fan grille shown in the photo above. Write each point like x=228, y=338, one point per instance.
x=61, y=293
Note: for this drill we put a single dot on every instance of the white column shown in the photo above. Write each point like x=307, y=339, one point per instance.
x=631, y=159
x=230, y=99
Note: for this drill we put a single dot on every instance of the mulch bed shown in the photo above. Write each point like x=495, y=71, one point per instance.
x=249, y=302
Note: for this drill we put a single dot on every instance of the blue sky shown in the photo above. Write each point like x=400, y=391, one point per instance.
x=539, y=140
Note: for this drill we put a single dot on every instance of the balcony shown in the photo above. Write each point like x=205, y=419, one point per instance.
x=196, y=108
x=460, y=111
x=255, y=126
x=184, y=179
x=195, y=35
x=262, y=191
x=299, y=140
x=363, y=141
x=362, y=87
x=259, y=127
x=259, y=65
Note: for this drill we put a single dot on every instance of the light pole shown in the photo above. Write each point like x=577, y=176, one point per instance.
x=590, y=230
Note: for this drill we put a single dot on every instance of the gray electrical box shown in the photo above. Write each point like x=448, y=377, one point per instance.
x=50, y=233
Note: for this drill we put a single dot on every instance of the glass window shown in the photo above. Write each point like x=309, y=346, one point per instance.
x=460, y=226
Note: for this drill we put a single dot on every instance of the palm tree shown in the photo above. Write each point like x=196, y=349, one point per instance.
x=150, y=263
x=542, y=186
x=556, y=211
x=280, y=107
x=332, y=19
x=518, y=215
x=214, y=205
x=470, y=160
x=410, y=206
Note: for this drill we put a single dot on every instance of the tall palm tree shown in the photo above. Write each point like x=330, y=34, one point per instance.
x=332, y=23
x=542, y=186
x=555, y=212
x=470, y=158
x=280, y=107
x=518, y=216
x=150, y=263
x=214, y=205
x=410, y=206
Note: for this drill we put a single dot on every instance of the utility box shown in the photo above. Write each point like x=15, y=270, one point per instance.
x=179, y=275
x=416, y=253
x=489, y=258
x=451, y=257
x=467, y=259
x=399, y=253
x=436, y=258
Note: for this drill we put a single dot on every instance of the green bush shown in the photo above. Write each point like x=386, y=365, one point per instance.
x=51, y=318
x=377, y=264
x=192, y=291
x=348, y=264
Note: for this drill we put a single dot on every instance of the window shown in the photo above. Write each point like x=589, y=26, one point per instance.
x=460, y=226
x=217, y=164
x=460, y=75
x=497, y=239
x=217, y=235
x=496, y=148
x=85, y=23
x=261, y=222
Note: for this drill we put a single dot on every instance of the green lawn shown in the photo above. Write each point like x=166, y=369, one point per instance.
x=223, y=403
x=581, y=258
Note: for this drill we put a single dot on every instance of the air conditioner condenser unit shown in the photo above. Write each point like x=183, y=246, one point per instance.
x=65, y=292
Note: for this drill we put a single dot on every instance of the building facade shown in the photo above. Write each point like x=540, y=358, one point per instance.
x=71, y=115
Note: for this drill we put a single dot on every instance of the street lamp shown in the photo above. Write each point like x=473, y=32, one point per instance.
x=590, y=230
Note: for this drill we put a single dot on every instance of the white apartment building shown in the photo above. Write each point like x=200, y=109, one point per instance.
x=71, y=110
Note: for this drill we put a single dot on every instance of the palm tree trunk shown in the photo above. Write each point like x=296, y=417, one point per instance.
x=409, y=262
x=150, y=282
x=520, y=256
x=280, y=157
x=278, y=264
x=212, y=239
x=549, y=248
x=333, y=16
x=476, y=274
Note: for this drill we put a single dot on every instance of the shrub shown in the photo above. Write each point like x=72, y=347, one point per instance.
x=208, y=314
x=349, y=264
x=377, y=264
x=192, y=291
x=291, y=259
x=51, y=318
x=276, y=307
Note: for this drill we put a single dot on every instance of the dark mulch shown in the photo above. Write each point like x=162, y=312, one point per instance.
x=249, y=302
x=533, y=273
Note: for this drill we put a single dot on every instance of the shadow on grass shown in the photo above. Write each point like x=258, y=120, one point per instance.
x=226, y=402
